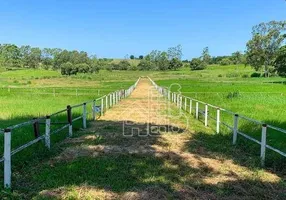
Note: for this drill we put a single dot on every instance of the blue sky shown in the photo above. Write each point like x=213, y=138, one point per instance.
x=114, y=28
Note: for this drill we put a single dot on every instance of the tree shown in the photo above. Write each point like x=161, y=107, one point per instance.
x=197, y=64
x=132, y=57
x=206, y=56
x=266, y=40
x=237, y=58
x=175, y=64
x=68, y=69
x=82, y=68
x=175, y=52
x=280, y=61
x=141, y=57
x=162, y=62
x=10, y=55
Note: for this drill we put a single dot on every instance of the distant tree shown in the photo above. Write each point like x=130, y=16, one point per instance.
x=82, y=68
x=266, y=40
x=237, y=58
x=132, y=57
x=141, y=57
x=162, y=62
x=68, y=69
x=280, y=61
x=206, y=56
x=197, y=64
x=175, y=52
x=175, y=64
x=10, y=55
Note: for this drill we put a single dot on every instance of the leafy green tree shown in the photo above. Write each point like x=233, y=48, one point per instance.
x=68, y=69
x=141, y=57
x=237, y=58
x=197, y=64
x=132, y=57
x=280, y=61
x=206, y=56
x=10, y=55
x=175, y=64
x=82, y=68
x=266, y=40
x=162, y=62
x=175, y=52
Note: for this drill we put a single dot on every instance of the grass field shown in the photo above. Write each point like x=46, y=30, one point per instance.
x=25, y=94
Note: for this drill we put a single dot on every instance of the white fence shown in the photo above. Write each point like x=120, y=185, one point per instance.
x=183, y=102
x=105, y=102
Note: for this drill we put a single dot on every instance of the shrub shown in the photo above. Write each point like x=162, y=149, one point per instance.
x=175, y=64
x=146, y=65
x=197, y=64
x=123, y=65
x=82, y=68
x=232, y=95
x=245, y=76
x=225, y=61
x=232, y=75
x=255, y=74
x=280, y=61
x=133, y=67
x=220, y=75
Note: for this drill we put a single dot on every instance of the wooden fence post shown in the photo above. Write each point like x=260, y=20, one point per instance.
x=235, y=128
x=206, y=115
x=69, y=112
x=110, y=100
x=84, y=115
x=47, y=132
x=197, y=110
x=36, y=128
x=93, y=110
x=7, y=158
x=217, y=120
x=263, y=144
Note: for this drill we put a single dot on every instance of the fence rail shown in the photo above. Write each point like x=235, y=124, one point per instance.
x=105, y=102
x=178, y=99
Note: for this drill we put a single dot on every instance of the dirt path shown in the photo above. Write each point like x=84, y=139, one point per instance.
x=149, y=154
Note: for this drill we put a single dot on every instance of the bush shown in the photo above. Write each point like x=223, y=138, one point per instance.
x=146, y=65
x=232, y=95
x=232, y=75
x=133, y=68
x=175, y=64
x=197, y=64
x=220, y=75
x=245, y=76
x=123, y=65
x=255, y=74
x=82, y=68
x=225, y=61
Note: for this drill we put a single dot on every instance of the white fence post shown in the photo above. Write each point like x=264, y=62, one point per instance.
x=93, y=110
x=185, y=104
x=206, y=115
x=101, y=107
x=217, y=120
x=191, y=106
x=235, y=128
x=110, y=100
x=7, y=158
x=263, y=144
x=106, y=102
x=47, y=132
x=197, y=110
x=84, y=115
